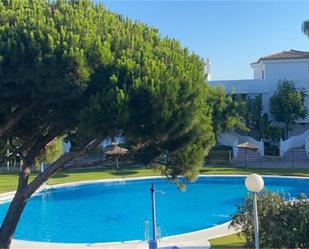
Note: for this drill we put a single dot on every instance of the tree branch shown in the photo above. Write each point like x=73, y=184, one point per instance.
x=16, y=150
x=59, y=164
x=29, y=158
x=39, y=145
x=14, y=119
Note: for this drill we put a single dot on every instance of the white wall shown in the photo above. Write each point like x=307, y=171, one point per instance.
x=274, y=70
x=296, y=70
x=287, y=69
x=257, y=71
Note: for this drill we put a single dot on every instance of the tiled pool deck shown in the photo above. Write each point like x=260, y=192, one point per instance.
x=194, y=240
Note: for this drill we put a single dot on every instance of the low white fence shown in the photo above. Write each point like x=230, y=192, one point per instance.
x=233, y=139
x=229, y=139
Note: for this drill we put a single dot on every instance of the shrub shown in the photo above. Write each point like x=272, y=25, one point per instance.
x=283, y=224
x=274, y=133
x=271, y=150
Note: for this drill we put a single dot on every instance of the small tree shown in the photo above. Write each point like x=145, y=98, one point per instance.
x=283, y=224
x=226, y=110
x=52, y=151
x=305, y=28
x=256, y=120
x=287, y=104
x=273, y=133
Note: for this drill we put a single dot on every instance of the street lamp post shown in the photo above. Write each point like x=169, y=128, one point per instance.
x=255, y=183
x=153, y=243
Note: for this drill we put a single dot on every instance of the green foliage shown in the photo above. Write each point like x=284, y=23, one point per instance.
x=97, y=152
x=90, y=73
x=287, y=104
x=3, y=150
x=283, y=224
x=52, y=151
x=273, y=133
x=220, y=156
x=271, y=150
x=305, y=27
x=43, y=66
x=256, y=120
x=255, y=109
x=227, y=110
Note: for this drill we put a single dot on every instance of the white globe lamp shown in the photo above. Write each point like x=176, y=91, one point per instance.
x=254, y=183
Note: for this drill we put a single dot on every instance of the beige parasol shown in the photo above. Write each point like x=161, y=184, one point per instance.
x=116, y=152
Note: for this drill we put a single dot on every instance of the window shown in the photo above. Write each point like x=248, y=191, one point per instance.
x=262, y=74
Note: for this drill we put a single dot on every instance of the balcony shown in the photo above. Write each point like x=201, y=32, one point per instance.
x=250, y=86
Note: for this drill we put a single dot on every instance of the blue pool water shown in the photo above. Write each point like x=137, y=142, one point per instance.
x=106, y=212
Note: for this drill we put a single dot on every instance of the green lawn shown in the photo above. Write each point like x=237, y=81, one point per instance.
x=8, y=181
x=232, y=241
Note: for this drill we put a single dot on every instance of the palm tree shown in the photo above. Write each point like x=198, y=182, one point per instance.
x=305, y=28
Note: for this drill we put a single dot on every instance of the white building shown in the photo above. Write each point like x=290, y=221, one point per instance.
x=267, y=71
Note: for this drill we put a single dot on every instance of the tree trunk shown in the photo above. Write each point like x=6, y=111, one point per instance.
x=11, y=220
x=16, y=208
x=25, y=190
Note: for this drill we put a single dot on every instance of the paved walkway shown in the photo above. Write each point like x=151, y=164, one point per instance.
x=194, y=240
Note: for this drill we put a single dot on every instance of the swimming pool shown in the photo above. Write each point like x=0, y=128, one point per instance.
x=116, y=211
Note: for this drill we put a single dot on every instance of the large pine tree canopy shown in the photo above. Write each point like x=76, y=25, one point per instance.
x=75, y=67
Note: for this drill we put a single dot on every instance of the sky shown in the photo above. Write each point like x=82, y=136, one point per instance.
x=232, y=34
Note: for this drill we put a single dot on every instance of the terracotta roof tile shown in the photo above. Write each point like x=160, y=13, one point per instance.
x=291, y=54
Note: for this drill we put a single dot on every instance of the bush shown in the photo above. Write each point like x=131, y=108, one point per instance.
x=220, y=155
x=283, y=224
x=52, y=151
x=274, y=133
x=271, y=150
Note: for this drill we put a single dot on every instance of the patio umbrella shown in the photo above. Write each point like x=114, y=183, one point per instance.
x=247, y=146
x=116, y=152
